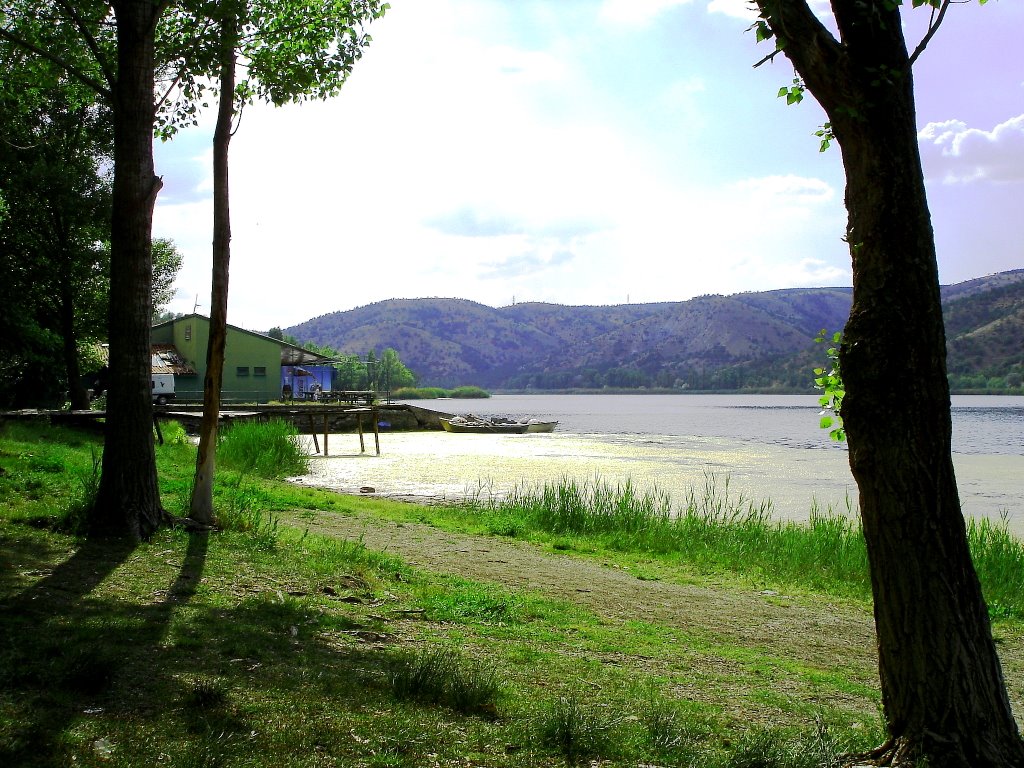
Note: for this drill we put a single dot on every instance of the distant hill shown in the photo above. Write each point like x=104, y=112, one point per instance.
x=985, y=332
x=758, y=340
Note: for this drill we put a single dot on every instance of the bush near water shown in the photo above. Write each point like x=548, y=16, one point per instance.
x=432, y=393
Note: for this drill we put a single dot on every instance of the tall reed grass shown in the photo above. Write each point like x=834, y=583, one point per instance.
x=266, y=449
x=715, y=530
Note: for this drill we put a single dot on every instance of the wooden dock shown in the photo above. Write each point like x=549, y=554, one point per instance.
x=313, y=418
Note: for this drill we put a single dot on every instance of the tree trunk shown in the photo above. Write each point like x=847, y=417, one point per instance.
x=201, y=509
x=76, y=389
x=942, y=686
x=129, y=498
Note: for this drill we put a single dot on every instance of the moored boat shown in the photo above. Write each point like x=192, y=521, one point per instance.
x=463, y=425
x=536, y=425
x=495, y=425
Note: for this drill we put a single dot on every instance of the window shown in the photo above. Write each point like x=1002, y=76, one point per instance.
x=259, y=370
x=188, y=333
x=242, y=370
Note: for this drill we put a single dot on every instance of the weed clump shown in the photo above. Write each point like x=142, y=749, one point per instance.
x=575, y=730
x=446, y=677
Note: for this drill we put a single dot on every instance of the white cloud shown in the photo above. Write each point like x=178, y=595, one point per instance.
x=487, y=149
x=795, y=188
x=955, y=152
x=638, y=13
x=738, y=9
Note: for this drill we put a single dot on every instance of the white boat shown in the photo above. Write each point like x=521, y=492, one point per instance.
x=536, y=425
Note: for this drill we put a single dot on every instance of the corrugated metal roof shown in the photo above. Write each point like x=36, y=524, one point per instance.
x=167, y=360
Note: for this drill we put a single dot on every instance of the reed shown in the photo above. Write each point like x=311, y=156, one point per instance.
x=266, y=449
x=717, y=531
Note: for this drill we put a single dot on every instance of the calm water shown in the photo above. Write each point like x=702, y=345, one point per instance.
x=765, y=447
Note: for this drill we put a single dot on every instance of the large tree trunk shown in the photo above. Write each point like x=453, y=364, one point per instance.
x=201, y=509
x=129, y=498
x=942, y=687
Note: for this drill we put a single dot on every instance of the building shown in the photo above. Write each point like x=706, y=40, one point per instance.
x=254, y=364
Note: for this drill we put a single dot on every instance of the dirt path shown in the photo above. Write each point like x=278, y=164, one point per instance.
x=821, y=635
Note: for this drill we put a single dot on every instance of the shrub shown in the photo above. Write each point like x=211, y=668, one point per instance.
x=419, y=393
x=468, y=393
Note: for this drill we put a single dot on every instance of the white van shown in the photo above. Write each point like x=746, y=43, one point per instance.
x=163, y=388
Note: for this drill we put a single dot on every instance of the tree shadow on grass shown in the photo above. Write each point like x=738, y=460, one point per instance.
x=180, y=676
x=62, y=646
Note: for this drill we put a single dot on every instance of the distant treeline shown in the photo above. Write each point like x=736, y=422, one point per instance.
x=432, y=393
x=761, y=377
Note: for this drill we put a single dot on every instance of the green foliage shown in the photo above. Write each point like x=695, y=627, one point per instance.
x=793, y=94
x=391, y=372
x=826, y=135
x=266, y=449
x=469, y=393
x=419, y=393
x=57, y=187
x=829, y=380
x=167, y=261
x=293, y=52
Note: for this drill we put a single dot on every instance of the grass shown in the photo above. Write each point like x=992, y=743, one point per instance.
x=265, y=645
x=714, y=533
x=447, y=677
x=266, y=449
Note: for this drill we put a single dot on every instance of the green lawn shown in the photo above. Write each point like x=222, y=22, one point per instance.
x=266, y=645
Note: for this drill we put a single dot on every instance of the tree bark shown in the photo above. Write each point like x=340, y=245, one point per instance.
x=128, y=501
x=943, y=692
x=201, y=509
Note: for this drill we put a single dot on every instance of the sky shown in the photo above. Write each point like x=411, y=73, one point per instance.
x=584, y=152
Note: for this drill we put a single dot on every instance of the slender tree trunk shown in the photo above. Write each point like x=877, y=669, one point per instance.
x=201, y=509
x=942, y=687
x=129, y=498
x=76, y=389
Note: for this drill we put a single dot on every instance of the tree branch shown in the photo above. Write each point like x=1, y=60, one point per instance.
x=72, y=70
x=933, y=27
x=819, y=59
x=90, y=42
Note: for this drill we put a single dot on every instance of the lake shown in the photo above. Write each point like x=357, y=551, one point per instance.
x=759, y=446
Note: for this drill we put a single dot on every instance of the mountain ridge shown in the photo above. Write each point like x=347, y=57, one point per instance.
x=751, y=340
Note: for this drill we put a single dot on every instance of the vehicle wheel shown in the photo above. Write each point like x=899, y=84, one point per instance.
x=161, y=400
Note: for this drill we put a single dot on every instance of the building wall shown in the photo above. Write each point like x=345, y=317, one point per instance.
x=252, y=363
x=300, y=384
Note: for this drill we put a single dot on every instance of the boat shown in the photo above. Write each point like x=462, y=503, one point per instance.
x=495, y=425
x=536, y=425
x=474, y=425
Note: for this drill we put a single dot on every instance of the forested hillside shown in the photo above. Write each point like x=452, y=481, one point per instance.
x=745, y=341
